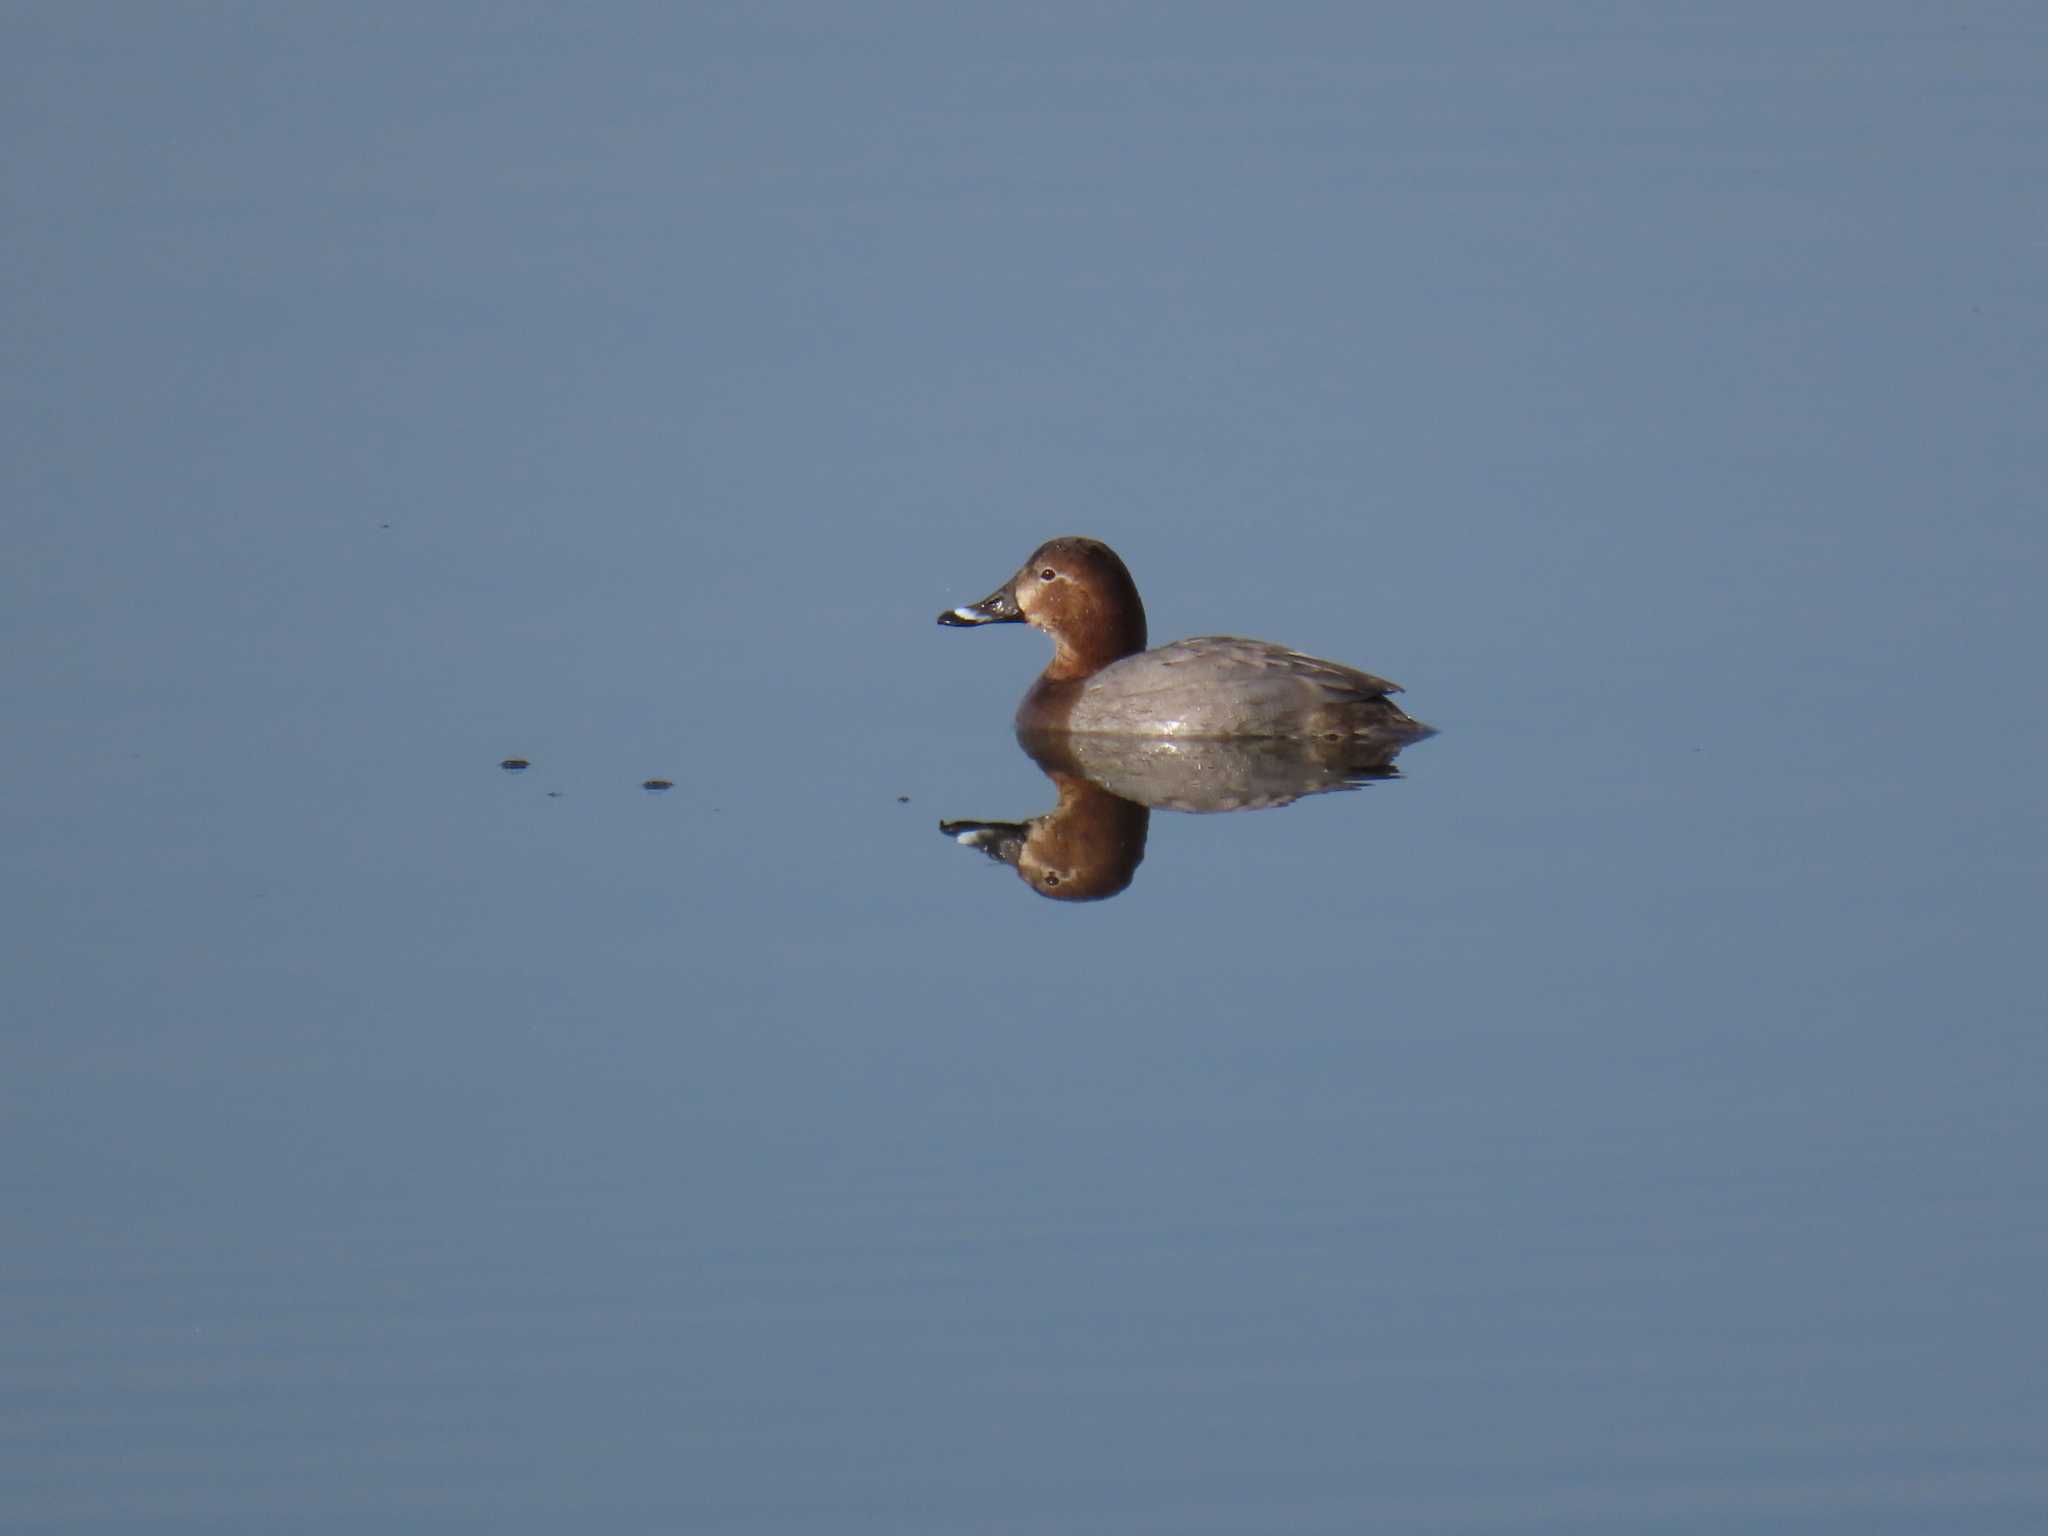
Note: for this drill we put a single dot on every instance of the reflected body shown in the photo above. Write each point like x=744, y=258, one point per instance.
x=1089, y=845
x=1102, y=680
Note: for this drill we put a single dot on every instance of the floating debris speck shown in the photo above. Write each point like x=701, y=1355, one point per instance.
x=656, y=786
x=515, y=765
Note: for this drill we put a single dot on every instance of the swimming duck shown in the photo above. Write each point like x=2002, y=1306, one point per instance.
x=1103, y=681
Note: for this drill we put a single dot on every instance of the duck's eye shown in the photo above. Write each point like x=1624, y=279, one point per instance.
x=1047, y=574
x=1052, y=879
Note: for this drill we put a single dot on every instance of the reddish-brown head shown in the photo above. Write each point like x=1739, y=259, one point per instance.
x=1081, y=594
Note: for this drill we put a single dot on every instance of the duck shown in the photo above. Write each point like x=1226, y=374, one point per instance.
x=1103, y=681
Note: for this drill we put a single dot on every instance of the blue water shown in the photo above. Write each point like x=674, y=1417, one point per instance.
x=1630, y=1117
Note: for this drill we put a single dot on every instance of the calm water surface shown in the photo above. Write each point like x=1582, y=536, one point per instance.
x=1628, y=1117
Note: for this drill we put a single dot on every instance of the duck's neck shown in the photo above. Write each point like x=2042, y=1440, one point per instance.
x=1098, y=643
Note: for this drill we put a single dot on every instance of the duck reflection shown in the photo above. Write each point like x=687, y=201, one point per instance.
x=1088, y=846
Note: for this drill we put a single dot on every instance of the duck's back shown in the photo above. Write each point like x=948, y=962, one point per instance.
x=1221, y=685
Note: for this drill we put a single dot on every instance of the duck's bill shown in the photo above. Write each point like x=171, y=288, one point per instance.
x=1002, y=841
x=999, y=607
